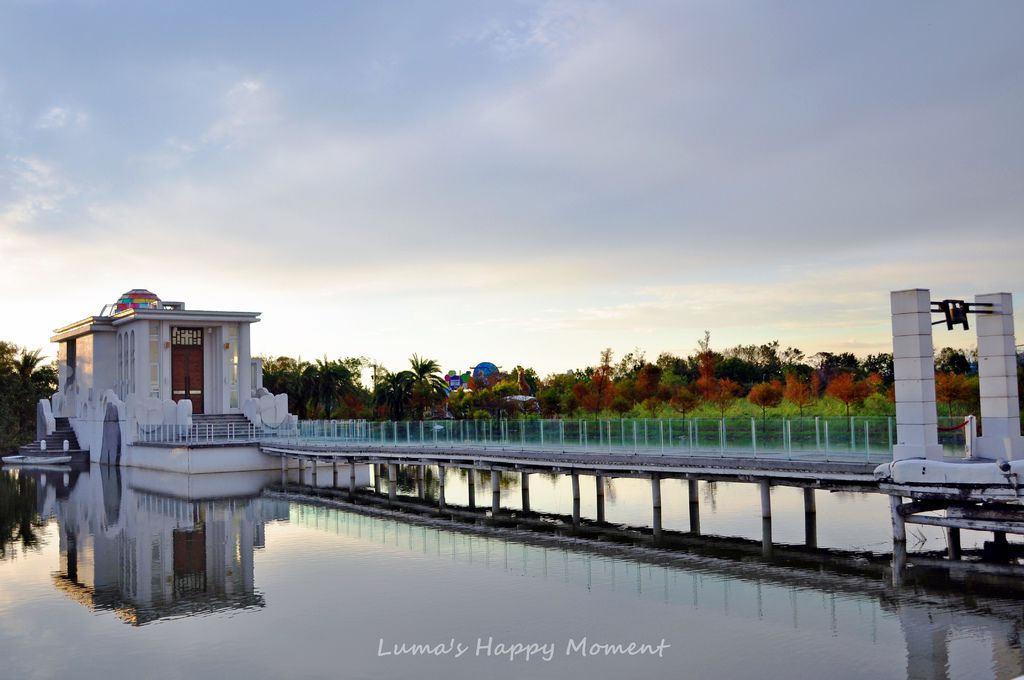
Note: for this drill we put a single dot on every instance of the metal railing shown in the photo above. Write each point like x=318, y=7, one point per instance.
x=812, y=438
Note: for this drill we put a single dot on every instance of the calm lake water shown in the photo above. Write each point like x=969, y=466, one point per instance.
x=126, y=574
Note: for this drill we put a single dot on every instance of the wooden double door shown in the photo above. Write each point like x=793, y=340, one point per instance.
x=187, y=366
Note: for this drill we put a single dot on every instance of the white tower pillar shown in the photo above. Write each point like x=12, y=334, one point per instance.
x=997, y=373
x=914, y=369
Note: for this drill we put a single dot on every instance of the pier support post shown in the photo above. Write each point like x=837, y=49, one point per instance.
x=334, y=466
x=997, y=374
x=524, y=486
x=656, y=503
x=766, y=499
x=421, y=481
x=575, y=498
x=810, y=519
x=599, y=484
x=314, y=461
x=692, y=490
x=766, y=536
x=376, y=478
x=472, y=487
x=352, y=478
x=392, y=482
x=899, y=562
x=440, y=486
x=953, y=542
x=899, y=526
x=284, y=472
x=495, y=492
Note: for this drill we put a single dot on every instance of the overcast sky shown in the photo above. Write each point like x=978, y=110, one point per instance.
x=519, y=182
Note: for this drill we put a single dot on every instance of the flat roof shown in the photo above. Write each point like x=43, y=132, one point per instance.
x=107, y=324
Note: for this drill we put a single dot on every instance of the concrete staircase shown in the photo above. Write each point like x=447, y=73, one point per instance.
x=55, y=442
x=221, y=426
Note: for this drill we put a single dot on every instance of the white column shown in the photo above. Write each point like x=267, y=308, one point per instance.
x=244, y=364
x=914, y=368
x=997, y=373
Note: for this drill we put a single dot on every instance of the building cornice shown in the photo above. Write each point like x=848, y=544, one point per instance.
x=107, y=324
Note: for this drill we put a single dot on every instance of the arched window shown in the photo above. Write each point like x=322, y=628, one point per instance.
x=131, y=370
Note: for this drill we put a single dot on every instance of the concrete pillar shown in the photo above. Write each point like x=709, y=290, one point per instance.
x=284, y=472
x=692, y=490
x=314, y=461
x=766, y=499
x=899, y=527
x=599, y=484
x=421, y=481
x=575, y=498
x=914, y=369
x=997, y=378
x=334, y=469
x=524, y=486
x=953, y=543
x=472, y=487
x=376, y=478
x=352, y=478
x=392, y=481
x=766, y=536
x=810, y=519
x=495, y=492
x=656, y=503
x=440, y=486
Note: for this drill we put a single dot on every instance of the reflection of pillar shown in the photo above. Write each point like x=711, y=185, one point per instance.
x=440, y=486
x=524, y=485
x=599, y=484
x=694, y=506
x=997, y=378
x=927, y=652
x=914, y=370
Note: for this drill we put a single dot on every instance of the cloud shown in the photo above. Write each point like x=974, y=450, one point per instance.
x=36, y=189
x=58, y=117
x=246, y=111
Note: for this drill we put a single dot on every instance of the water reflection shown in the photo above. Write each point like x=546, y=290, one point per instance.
x=147, y=555
x=152, y=547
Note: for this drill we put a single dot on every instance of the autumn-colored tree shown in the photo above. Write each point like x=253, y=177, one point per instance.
x=647, y=380
x=721, y=392
x=798, y=392
x=951, y=388
x=766, y=395
x=847, y=389
x=683, y=399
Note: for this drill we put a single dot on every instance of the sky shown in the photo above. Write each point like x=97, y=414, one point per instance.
x=516, y=182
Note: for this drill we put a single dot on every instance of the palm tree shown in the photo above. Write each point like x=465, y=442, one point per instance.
x=428, y=386
x=393, y=392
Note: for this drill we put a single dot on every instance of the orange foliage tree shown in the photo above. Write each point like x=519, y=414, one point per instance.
x=798, y=392
x=952, y=388
x=766, y=395
x=847, y=389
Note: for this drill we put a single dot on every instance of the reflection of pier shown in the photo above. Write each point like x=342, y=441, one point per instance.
x=823, y=590
x=148, y=556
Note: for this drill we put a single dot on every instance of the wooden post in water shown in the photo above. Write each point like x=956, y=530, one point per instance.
x=810, y=519
x=953, y=542
x=694, y=506
x=899, y=527
x=656, y=503
x=524, y=486
x=599, y=484
x=495, y=492
x=472, y=487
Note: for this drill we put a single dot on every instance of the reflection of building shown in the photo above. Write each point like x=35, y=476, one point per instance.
x=149, y=556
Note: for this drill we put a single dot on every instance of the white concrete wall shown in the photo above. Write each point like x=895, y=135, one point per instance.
x=997, y=372
x=199, y=460
x=914, y=370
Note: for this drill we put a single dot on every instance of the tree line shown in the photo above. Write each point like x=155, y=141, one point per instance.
x=746, y=380
x=24, y=380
